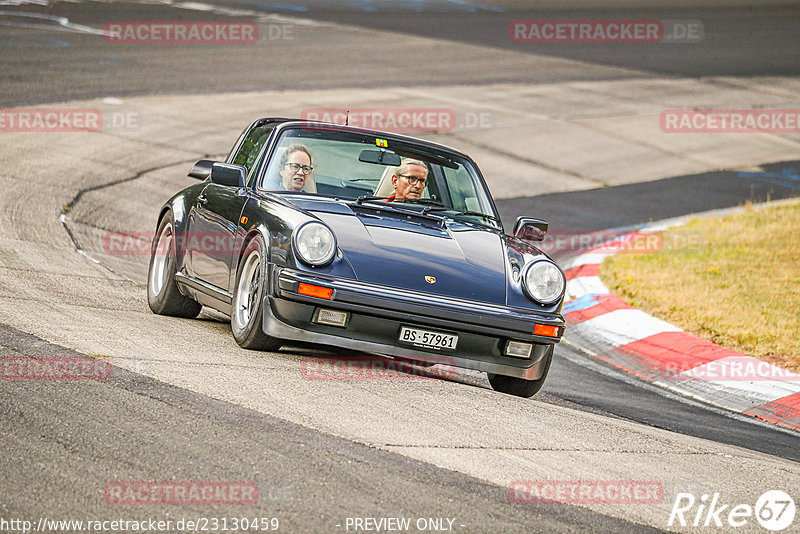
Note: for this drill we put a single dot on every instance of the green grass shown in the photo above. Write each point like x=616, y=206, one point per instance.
x=733, y=280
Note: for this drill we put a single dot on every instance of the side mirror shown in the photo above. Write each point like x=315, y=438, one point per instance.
x=230, y=175
x=379, y=157
x=202, y=169
x=529, y=229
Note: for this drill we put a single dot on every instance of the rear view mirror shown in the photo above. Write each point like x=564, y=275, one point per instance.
x=202, y=169
x=529, y=229
x=379, y=157
x=230, y=175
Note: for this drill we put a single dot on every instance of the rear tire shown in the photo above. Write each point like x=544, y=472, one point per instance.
x=163, y=295
x=521, y=387
x=247, y=314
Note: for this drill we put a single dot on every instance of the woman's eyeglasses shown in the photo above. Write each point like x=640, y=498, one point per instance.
x=296, y=167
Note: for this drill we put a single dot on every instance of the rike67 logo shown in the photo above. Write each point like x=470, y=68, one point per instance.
x=774, y=510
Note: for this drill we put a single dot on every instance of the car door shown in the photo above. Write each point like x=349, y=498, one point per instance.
x=212, y=226
x=215, y=217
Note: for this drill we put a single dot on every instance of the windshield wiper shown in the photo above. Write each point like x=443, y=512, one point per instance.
x=485, y=216
x=430, y=205
x=433, y=205
x=396, y=207
x=428, y=201
x=436, y=207
x=365, y=198
x=479, y=214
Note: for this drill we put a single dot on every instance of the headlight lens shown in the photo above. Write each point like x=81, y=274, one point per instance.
x=314, y=243
x=543, y=281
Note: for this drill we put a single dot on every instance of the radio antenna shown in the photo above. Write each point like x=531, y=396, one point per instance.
x=347, y=119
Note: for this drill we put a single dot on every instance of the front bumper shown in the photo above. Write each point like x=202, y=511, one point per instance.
x=376, y=314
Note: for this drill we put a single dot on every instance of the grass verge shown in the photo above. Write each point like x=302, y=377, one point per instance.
x=733, y=280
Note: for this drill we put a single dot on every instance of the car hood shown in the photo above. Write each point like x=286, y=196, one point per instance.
x=391, y=249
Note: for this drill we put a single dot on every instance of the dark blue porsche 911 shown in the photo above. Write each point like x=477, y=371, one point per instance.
x=364, y=240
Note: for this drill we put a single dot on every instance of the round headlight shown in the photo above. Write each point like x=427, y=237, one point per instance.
x=543, y=281
x=314, y=243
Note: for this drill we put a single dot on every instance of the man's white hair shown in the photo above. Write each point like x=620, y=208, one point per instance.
x=405, y=162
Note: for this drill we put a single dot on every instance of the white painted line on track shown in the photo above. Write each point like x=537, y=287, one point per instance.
x=584, y=285
x=621, y=327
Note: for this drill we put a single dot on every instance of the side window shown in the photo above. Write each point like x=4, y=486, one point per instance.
x=253, y=142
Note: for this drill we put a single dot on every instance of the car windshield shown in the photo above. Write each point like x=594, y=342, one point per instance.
x=348, y=165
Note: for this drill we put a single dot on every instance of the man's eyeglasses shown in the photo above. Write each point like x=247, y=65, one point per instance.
x=296, y=167
x=413, y=179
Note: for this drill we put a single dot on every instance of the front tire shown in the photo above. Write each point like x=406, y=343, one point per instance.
x=163, y=295
x=247, y=315
x=521, y=387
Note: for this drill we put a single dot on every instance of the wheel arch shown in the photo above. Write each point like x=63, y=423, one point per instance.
x=250, y=234
x=177, y=205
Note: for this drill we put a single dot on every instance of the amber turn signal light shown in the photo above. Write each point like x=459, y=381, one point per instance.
x=315, y=291
x=546, y=330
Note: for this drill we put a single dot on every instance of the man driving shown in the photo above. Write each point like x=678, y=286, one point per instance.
x=295, y=167
x=409, y=180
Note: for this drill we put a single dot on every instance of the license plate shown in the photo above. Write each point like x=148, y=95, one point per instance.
x=428, y=339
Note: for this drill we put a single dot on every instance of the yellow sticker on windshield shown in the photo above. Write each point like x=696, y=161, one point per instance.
x=381, y=142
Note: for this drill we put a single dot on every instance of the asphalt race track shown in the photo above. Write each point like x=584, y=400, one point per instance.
x=566, y=132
